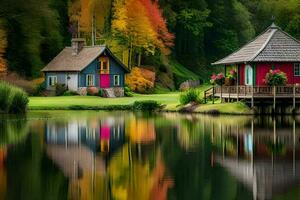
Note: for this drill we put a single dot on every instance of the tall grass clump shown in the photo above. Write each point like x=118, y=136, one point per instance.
x=191, y=95
x=12, y=99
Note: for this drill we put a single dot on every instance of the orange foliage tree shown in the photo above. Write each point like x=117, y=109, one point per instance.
x=140, y=26
x=3, y=45
x=164, y=37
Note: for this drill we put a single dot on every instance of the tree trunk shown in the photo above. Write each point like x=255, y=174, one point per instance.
x=130, y=56
x=139, y=58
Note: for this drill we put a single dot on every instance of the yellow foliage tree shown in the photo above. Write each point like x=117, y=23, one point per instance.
x=132, y=27
x=137, y=81
x=3, y=45
x=90, y=16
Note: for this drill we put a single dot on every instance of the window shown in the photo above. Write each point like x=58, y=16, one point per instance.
x=297, y=69
x=90, y=80
x=248, y=75
x=116, y=80
x=52, y=80
x=104, y=65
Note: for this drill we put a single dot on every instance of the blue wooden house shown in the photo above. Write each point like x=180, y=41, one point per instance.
x=81, y=67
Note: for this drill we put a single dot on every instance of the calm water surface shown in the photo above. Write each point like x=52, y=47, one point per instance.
x=136, y=156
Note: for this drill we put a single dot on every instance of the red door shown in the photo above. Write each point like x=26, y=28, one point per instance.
x=104, y=81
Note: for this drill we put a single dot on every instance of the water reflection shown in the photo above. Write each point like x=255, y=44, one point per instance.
x=119, y=155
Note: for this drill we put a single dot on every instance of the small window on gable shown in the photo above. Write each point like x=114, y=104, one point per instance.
x=116, y=80
x=297, y=69
x=52, y=80
x=89, y=80
x=104, y=65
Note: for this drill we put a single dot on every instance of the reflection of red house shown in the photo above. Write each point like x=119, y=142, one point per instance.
x=273, y=49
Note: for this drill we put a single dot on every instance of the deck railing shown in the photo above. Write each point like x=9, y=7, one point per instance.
x=253, y=93
x=245, y=91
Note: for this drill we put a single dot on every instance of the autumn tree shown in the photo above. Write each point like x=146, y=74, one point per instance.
x=140, y=26
x=132, y=28
x=3, y=45
x=90, y=18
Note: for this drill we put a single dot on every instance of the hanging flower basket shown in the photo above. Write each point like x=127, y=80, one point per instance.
x=276, y=78
x=231, y=78
x=218, y=79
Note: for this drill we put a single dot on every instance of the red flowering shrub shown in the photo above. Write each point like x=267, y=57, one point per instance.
x=276, y=78
x=218, y=79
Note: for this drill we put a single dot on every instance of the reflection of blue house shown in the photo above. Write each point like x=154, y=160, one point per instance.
x=105, y=136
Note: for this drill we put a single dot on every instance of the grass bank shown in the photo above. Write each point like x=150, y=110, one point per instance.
x=98, y=103
x=170, y=100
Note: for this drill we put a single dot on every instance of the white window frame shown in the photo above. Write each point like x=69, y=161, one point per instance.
x=118, y=80
x=297, y=66
x=88, y=83
x=53, y=80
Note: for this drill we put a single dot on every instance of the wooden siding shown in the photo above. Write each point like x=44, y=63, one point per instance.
x=288, y=68
x=116, y=69
x=92, y=68
x=261, y=69
x=61, y=78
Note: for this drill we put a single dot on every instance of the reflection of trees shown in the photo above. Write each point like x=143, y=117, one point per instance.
x=30, y=175
x=141, y=130
x=192, y=172
x=12, y=131
x=132, y=178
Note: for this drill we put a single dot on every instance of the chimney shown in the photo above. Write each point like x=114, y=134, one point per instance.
x=77, y=45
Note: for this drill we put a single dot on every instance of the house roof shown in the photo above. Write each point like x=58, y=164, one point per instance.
x=65, y=61
x=273, y=45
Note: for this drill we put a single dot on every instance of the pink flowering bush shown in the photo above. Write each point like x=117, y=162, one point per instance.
x=218, y=79
x=276, y=78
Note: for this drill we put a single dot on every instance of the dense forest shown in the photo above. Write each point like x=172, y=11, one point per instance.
x=141, y=32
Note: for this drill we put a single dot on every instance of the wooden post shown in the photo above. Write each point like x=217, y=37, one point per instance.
x=237, y=92
x=237, y=82
x=229, y=87
x=213, y=95
x=294, y=98
x=252, y=97
x=221, y=94
x=274, y=98
x=204, y=96
x=294, y=147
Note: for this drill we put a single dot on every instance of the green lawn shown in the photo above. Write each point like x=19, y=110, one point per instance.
x=90, y=102
x=171, y=100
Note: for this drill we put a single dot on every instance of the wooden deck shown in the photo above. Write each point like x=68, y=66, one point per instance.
x=255, y=93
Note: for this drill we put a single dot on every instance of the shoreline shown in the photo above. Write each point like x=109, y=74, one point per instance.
x=169, y=101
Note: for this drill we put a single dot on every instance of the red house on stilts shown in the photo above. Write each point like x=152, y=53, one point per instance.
x=273, y=49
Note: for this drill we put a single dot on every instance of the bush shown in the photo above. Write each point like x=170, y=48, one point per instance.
x=70, y=93
x=12, y=99
x=148, y=105
x=92, y=91
x=191, y=95
x=276, y=78
x=5, y=90
x=218, y=79
x=60, y=89
x=19, y=101
x=140, y=81
x=39, y=89
x=128, y=92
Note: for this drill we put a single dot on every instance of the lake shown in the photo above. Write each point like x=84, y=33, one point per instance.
x=135, y=156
